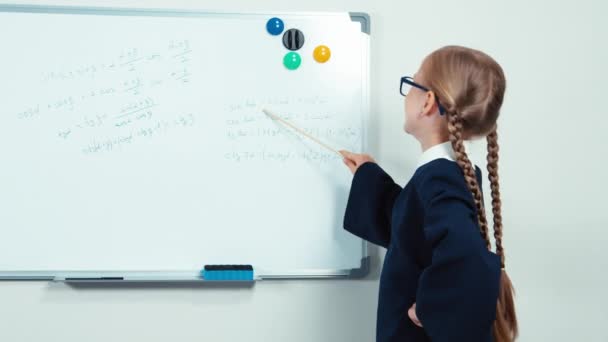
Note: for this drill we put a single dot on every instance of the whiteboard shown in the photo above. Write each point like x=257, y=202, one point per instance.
x=133, y=144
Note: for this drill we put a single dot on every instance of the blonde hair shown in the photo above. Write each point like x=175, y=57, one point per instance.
x=470, y=86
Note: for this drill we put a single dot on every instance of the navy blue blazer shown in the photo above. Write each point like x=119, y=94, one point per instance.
x=436, y=256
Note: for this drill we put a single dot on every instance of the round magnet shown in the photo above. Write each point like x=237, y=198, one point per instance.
x=292, y=60
x=321, y=53
x=293, y=39
x=275, y=26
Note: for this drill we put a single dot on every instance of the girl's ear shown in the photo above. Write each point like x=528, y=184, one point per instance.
x=430, y=104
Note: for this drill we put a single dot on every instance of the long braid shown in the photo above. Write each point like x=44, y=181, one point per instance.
x=505, y=327
x=492, y=159
x=455, y=129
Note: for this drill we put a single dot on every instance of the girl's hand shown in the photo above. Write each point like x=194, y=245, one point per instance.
x=354, y=160
x=412, y=313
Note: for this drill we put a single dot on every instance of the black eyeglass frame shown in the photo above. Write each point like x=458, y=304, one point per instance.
x=409, y=80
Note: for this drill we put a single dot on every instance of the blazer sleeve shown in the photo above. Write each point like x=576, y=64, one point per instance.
x=457, y=293
x=368, y=210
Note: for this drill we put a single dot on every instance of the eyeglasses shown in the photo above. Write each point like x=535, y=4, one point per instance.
x=406, y=85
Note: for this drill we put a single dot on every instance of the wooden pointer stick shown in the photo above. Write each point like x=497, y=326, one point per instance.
x=299, y=130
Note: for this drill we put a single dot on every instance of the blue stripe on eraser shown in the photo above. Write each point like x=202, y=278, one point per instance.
x=228, y=273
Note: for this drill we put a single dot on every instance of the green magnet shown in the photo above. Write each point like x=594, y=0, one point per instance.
x=292, y=60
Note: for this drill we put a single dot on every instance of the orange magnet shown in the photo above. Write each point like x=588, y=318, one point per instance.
x=322, y=54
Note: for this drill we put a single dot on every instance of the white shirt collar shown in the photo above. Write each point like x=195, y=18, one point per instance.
x=443, y=150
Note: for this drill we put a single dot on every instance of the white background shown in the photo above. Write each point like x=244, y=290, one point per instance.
x=552, y=176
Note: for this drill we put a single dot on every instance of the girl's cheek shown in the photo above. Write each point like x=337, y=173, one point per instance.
x=407, y=125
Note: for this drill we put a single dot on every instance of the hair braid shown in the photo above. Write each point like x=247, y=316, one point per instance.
x=455, y=129
x=492, y=159
x=505, y=327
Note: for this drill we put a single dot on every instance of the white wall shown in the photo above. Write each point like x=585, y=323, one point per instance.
x=552, y=150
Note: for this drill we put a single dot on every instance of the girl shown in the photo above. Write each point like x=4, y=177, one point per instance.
x=440, y=280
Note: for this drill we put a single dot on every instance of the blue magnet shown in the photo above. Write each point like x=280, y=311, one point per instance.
x=275, y=26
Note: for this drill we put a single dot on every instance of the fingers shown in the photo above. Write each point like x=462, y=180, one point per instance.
x=354, y=157
x=349, y=160
x=347, y=154
x=351, y=165
x=412, y=314
x=354, y=160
